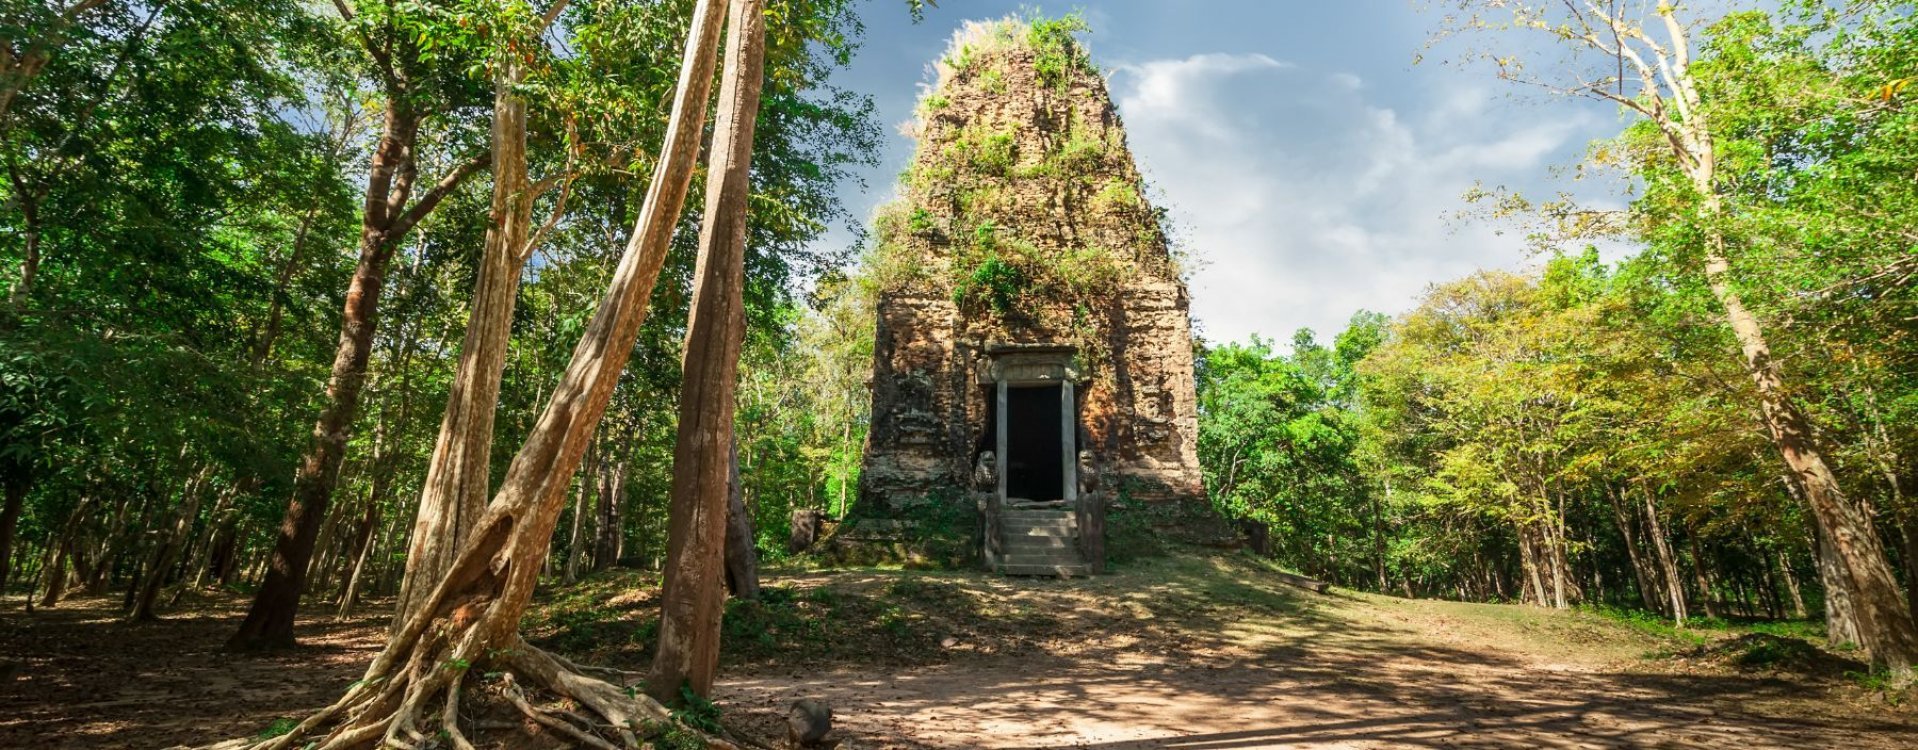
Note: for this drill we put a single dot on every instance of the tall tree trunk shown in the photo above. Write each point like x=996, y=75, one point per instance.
x=1791, y=585
x=692, y=596
x=457, y=478
x=1705, y=598
x=1886, y=628
x=111, y=546
x=15, y=487
x=1641, y=567
x=362, y=547
x=385, y=221
x=742, y=560
x=1529, y=560
x=612, y=498
x=62, y=548
x=471, y=617
x=1667, y=561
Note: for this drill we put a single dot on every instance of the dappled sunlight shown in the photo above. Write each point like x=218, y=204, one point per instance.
x=1206, y=653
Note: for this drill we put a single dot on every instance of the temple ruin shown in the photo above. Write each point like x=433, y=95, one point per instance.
x=1033, y=357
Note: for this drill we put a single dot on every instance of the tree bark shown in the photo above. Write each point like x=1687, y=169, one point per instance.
x=1706, y=599
x=742, y=560
x=361, y=549
x=457, y=478
x=1842, y=626
x=692, y=596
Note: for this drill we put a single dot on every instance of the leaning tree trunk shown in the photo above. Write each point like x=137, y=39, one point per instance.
x=454, y=495
x=168, y=548
x=1886, y=628
x=742, y=562
x=692, y=597
x=1667, y=561
x=1641, y=568
x=471, y=617
x=269, y=621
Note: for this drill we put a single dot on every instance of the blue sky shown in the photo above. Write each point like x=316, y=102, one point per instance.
x=1310, y=166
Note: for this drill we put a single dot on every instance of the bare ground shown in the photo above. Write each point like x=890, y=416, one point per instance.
x=1189, y=653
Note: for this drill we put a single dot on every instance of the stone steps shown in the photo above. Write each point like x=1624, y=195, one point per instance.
x=1040, y=542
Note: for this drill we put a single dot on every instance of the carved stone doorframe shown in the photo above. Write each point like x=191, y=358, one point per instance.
x=1028, y=365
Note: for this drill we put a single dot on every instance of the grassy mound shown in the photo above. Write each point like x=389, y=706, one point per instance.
x=1764, y=652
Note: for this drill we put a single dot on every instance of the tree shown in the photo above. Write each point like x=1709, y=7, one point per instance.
x=391, y=210
x=1653, y=56
x=693, y=595
x=457, y=477
x=471, y=618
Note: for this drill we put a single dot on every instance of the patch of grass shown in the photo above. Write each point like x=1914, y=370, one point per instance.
x=1880, y=681
x=279, y=728
x=1118, y=193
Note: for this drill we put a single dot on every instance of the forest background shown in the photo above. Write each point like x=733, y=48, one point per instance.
x=194, y=186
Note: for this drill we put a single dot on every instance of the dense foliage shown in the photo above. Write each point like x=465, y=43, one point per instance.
x=182, y=205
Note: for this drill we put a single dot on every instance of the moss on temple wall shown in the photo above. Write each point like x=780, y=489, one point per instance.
x=1023, y=221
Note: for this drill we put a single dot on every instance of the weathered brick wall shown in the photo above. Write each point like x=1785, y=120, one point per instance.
x=1035, y=174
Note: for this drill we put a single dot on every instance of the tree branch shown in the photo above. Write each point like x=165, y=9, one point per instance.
x=552, y=16
x=431, y=199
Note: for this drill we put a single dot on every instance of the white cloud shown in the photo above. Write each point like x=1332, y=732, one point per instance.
x=1306, y=200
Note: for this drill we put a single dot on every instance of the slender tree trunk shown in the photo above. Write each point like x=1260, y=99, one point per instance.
x=362, y=547
x=1641, y=568
x=612, y=497
x=570, y=568
x=168, y=547
x=1667, y=561
x=1704, y=582
x=1791, y=585
x=1378, y=535
x=269, y=621
x=111, y=546
x=1529, y=560
x=62, y=548
x=457, y=478
x=692, y=597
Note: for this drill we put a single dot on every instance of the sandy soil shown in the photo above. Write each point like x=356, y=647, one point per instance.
x=88, y=679
x=1135, y=661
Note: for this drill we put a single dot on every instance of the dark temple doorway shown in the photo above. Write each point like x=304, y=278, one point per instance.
x=1035, y=451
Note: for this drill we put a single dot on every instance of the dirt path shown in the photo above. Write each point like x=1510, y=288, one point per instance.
x=1182, y=657
x=88, y=679
x=1276, y=669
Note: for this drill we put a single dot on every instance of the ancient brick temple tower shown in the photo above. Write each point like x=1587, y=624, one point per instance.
x=1034, y=350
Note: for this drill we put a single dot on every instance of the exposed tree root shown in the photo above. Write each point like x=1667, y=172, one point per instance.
x=398, y=712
